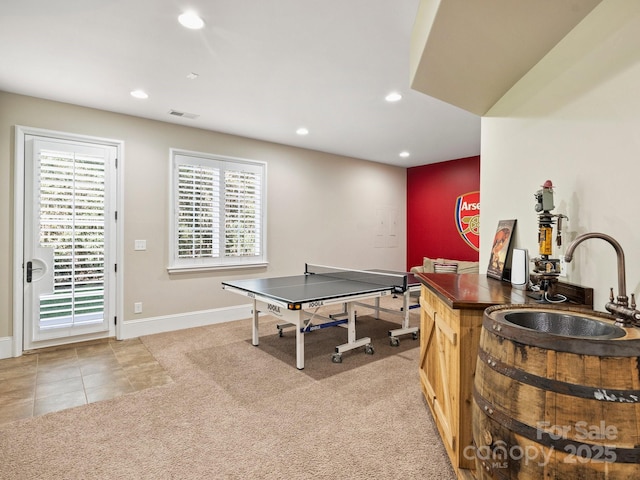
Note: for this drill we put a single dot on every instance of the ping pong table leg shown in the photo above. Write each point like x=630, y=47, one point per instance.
x=352, y=341
x=393, y=334
x=405, y=308
x=256, y=336
x=299, y=346
x=351, y=325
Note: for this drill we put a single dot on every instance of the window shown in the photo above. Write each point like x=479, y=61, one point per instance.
x=218, y=212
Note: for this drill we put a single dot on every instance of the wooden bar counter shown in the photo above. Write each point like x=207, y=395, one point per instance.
x=451, y=312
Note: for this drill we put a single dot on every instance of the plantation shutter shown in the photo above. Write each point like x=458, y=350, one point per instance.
x=218, y=212
x=243, y=212
x=72, y=223
x=198, y=211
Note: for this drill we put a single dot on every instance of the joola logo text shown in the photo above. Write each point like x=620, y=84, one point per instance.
x=273, y=308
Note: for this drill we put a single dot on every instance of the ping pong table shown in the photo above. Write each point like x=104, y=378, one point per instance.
x=296, y=300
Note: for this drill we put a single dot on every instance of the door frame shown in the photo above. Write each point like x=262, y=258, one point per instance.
x=18, y=224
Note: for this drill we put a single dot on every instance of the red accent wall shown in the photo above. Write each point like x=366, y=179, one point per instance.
x=432, y=191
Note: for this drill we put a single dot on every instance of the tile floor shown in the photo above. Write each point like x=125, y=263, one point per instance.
x=56, y=379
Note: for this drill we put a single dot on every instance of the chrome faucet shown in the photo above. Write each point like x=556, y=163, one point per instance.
x=625, y=314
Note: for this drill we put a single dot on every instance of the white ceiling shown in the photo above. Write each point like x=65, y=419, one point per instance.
x=266, y=67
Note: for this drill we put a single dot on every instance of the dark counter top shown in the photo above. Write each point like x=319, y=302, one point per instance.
x=477, y=291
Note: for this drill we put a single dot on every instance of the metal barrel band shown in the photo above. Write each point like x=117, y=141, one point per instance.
x=557, y=386
x=622, y=455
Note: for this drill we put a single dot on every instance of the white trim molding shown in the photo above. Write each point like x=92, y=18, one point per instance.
x=6, y=347
x=20, y=132
x=169, y=323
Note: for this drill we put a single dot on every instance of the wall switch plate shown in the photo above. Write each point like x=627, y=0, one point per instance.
x=137, y=307
x=140, y=245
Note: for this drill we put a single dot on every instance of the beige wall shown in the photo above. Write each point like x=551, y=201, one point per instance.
x=322, y=208
x=574, y=119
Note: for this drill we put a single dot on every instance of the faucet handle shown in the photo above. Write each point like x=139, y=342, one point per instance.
x=611, y=297
x=633, y=301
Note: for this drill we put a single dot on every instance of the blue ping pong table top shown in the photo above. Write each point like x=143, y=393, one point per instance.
x=299, y=289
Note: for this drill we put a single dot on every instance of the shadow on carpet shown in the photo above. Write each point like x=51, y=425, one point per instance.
x=319, y=347
x=275, y=357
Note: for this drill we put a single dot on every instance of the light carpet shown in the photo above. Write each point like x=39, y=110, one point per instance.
x=236, y=411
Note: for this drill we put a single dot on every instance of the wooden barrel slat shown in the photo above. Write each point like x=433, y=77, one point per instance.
x=577, y=413
x=542, y=463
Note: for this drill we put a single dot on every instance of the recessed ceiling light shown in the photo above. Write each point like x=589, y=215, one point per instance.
x=139, y=94
x=302, y=131
x=192, y=76
x=393, y=97
x=191, y=20
x=405, y=154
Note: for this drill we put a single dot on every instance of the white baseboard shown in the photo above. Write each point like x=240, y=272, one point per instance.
x=168, y=323
x=6, y=347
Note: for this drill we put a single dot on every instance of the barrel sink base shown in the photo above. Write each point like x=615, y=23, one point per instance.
x=545, y=408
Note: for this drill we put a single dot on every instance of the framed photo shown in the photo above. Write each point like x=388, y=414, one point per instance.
x=500, y=249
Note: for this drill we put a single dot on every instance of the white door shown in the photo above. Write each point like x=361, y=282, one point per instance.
x=69, y=241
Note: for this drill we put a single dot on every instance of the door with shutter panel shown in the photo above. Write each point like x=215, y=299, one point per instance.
x=69, y=241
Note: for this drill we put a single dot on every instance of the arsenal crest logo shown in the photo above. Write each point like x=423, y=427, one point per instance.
x=468, y=218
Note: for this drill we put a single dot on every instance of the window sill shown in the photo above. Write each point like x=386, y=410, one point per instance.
x=212, y=268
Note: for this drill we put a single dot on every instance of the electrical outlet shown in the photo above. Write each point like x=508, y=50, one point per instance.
x=137, y=307
x=563, y=266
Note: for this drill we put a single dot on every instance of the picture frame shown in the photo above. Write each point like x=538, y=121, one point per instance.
x=500, y=248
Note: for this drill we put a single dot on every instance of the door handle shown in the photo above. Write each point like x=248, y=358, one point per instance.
x=30, y=271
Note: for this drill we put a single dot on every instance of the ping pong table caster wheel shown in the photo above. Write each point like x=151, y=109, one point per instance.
x=336, y=358
x=394, y=341
x=415, y=335
x=280, y=332
x=368, y=349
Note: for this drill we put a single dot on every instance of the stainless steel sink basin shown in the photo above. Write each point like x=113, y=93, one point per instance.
x=564, y=324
